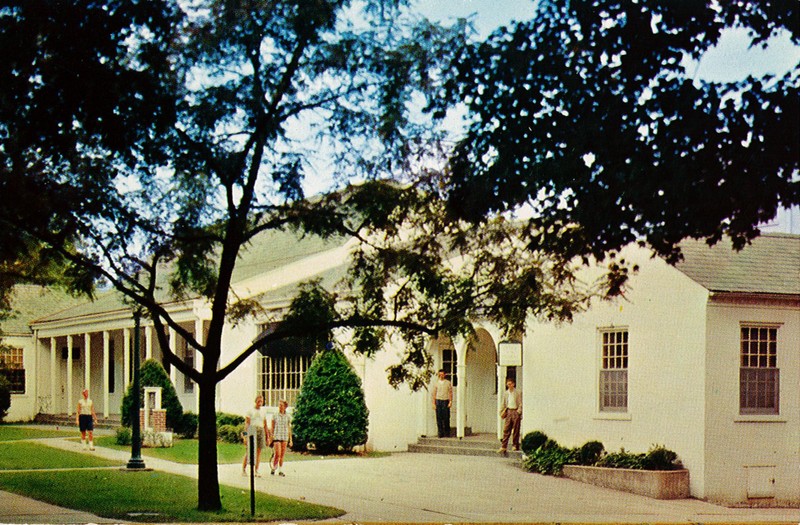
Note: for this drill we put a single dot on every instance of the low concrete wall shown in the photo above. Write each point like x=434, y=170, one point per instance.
x=659, y=484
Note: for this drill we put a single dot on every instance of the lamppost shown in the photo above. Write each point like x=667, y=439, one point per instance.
x=136, y=461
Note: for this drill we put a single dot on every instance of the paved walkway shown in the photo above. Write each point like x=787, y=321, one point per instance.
x=435, y=488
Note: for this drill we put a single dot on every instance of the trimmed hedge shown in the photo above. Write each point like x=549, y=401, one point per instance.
x=549, y=457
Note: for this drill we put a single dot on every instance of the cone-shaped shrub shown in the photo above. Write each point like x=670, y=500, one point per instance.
x=5, y=396
x=151, y=373
x=331, y=414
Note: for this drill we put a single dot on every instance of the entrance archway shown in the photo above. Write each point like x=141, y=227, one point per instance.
x=481, y=387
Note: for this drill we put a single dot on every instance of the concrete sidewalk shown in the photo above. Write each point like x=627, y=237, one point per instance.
x=436, y=488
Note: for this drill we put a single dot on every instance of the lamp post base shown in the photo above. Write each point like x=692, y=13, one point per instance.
x=135, y=464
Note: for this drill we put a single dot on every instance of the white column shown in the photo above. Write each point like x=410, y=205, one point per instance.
x=126, y=358
x=501, y=390
x=173, y=344
x=33, y=382
x=148, y=338
x=53, y=374
x=198, y=335
x=461, y=389
x=106, y=351
x=87, y=370
x=68, y=396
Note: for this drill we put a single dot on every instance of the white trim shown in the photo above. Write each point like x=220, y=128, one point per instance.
x=87, y=360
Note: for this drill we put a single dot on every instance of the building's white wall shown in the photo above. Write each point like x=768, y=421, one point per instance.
x=664, y=314
x=735, y=443
x=23, y=406
x=394, y=414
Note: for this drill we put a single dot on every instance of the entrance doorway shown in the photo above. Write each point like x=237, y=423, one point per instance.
x=481, y=387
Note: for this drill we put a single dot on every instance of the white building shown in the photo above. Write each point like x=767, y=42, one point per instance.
x=703, y=358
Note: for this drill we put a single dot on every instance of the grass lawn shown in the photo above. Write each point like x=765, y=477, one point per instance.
x=132, y=496
x=152, y=496
x=26, y=455
x=15, y=433
x=185, y=451
x=182, y=451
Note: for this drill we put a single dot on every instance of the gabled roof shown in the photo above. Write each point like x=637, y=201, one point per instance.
x=769, y=265
x=269, y=251
x=29, y=302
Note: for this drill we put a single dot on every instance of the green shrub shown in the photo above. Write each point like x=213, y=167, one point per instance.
x=550, y=459
x=590, y=453
x=187, y=425
x=657, y=458
x=5, y=396
x=230, y=433
x=151, y=373
x=331, y=413
x=660, y=458
x=123, y=436
x=622, y=459
x=228, y=419
x=533, y=440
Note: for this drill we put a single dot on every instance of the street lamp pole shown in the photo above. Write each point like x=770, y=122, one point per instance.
x=136, y=461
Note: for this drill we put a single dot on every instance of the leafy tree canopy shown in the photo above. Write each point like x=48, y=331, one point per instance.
x=589, y=114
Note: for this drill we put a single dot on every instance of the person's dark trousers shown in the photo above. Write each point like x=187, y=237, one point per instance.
x=443, y=417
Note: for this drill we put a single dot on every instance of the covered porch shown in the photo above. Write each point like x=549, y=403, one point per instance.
x=95, y=352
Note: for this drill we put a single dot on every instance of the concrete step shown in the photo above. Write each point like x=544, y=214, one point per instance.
x=478, y=445
x=486, y=443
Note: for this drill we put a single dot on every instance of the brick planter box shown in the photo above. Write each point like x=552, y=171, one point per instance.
x=659, y=484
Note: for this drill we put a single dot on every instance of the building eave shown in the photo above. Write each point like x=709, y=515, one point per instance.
x=754, y=298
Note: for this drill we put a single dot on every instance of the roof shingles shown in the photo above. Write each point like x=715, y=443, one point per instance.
x=769, y=265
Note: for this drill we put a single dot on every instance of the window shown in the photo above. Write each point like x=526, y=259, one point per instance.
x=281, y=377
x=188, y=358
x=450, y=365
x=12, y=361
x=759, y=377
x=614, y=371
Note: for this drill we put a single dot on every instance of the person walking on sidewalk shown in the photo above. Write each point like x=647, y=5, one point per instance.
x=85, y=419
x=281, y=437
x=511, y=412
x=442, y=401
x=257, y=420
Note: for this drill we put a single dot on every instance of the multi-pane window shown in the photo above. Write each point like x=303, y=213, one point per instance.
x=614, y=371
x=282, y=366
x=450, y=365
x=12, y=361
x=759, y=376
x=281, y=377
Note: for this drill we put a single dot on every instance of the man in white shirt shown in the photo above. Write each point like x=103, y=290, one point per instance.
x=511, y=412
x=442, y=400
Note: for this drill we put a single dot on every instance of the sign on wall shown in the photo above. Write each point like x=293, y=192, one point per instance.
x=509, y=353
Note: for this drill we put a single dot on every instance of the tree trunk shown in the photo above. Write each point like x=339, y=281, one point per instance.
x=208, y=497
